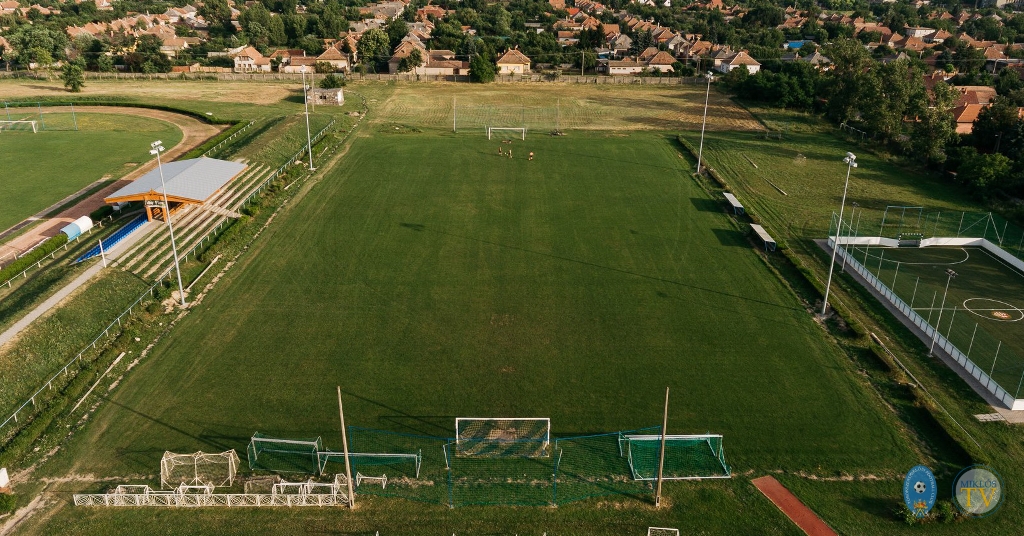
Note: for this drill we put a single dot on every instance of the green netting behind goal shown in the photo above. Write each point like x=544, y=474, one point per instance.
x=284, y=455
x=593, y=466
x=367, y=449
x=686, y=457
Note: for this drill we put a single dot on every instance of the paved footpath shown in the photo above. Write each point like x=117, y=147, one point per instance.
x=74, y=285
x=798, y=512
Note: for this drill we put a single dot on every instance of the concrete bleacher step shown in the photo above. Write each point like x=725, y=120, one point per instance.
x=206, y=218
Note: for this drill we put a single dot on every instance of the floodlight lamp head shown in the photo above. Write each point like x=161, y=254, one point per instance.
x=951, y=273
x=155, y=144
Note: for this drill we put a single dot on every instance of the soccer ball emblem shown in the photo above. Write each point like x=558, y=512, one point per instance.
x=920, y=487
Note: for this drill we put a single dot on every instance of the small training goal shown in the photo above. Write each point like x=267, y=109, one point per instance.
x=23, y=125
x=515, y=437
x=407, y=465
x=687, y=457
x=519, y=132
x=198, y=469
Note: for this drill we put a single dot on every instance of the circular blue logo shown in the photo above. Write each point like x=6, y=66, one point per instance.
x=920, y=490
x=978, y=491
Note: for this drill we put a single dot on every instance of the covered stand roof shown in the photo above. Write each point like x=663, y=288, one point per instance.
x=187, y=181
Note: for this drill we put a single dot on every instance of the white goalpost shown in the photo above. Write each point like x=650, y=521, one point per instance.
x=407, y=463
x=14, y=125
x=520, y=130
x=499, y=437
x=199, y=469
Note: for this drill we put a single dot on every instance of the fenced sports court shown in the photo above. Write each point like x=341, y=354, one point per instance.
x=959, y=276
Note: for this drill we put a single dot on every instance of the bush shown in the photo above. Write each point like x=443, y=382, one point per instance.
x=332, y=81
x=32, y=257
x=8, y=502
x=101, y=212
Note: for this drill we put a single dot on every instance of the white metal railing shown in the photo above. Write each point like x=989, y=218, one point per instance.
x=969, y=366
x=187, y=500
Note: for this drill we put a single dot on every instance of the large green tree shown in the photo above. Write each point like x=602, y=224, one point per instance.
x=481, y=69
x=73, y=75
x=374, y=48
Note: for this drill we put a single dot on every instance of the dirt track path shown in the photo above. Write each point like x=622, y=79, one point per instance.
x=798, y=512
x=194, y=133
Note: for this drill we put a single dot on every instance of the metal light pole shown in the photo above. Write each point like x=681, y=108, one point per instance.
x=157, y=148
x=851, y=162
x=305, y=104
x=707, y=96
x=951, y=274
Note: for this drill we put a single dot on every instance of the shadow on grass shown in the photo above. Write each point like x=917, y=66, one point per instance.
x=421, y=228
x=730, y=238
x=704, y=204
x=429, y=425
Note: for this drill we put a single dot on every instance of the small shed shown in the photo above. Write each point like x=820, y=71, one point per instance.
x=334, y=96
x=77, y=227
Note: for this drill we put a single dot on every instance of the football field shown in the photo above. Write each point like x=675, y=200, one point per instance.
x=432, y=278
x=43, y=168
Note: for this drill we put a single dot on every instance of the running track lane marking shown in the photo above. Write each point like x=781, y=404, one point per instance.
x=796, y=511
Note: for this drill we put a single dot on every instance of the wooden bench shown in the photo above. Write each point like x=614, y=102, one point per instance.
x=769, y=242
x=737, y=208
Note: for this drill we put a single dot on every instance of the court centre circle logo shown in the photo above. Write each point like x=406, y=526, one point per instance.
x=919, y=490
x=978, y=491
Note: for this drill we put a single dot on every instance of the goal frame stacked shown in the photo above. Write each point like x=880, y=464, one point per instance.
x=172, y=461
x=522, y=130
x=465, y=436
x=358, y=459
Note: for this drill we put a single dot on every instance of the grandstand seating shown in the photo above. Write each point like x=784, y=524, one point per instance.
x=113, y=239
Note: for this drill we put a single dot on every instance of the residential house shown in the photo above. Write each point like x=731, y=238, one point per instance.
x=662, y=62
x=513, y=62
x=249, y=60
x=737, y=60
x=335, y=58
x=625, y=66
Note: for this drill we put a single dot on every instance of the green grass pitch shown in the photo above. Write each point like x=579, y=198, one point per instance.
x=431, y=278
x=43, y=168
x=985, y=294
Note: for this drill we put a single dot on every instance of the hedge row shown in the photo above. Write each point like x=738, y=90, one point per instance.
x=32, y=257
x=107, y=101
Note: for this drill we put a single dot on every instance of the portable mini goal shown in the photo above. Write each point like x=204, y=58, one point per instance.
x=502, y=437
x=18, y=125
x=521, y=130
x=198, y=469
x=687, y=457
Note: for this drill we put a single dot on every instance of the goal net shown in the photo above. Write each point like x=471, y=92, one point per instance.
x=662, y=531
x=281, y=455
x=502, y=437
x=518, y=132
x=687, y=457
x=372, y=463
x=198, y=469
x=18, y=125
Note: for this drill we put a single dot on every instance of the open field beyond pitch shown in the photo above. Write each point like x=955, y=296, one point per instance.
x=43, y=168
x=432, y=278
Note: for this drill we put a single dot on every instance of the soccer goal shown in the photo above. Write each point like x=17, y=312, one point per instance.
x=502, y=437
x=520, y=130
x=662, y=531
x=284, y=455
x=396, y=463
x=198, y=469
x=20, y=125
x=687, y=457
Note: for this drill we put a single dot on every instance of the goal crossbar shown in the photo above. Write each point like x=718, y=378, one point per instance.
x=520, y=130
x=372, y=458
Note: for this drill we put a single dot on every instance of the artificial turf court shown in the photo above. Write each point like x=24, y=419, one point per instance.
x=983, y=304
x=432, y=278
x=43, y=168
